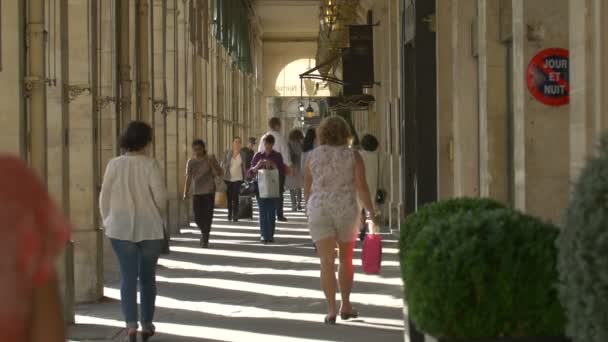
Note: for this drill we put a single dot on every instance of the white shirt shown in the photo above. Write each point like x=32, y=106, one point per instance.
x=236, y=169
x=280, y=145
x=132, y=193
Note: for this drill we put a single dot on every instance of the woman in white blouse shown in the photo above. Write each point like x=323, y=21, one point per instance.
x=234, y=174
x=132, y=195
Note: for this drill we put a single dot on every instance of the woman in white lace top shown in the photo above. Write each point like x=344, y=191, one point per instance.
x=330, y=172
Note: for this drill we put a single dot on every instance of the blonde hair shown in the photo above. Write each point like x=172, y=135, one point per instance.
x=334, y=131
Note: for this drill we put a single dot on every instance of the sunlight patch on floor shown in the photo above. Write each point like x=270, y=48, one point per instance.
x=200, y=331
x=265, y=256
x=228, y=310
x=359, y=277
x=257, y=228
x=250, y=235
x=281, y=291
x=249, y=243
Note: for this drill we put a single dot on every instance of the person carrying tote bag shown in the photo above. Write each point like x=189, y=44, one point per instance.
x=268, y=183
x=268, y=167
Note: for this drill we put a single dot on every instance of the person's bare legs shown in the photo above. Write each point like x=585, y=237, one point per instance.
x=326, y=249
x=346, y=274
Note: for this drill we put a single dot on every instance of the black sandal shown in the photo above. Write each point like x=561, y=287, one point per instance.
x=146, y=335
x=349, y=315
x=330, y=320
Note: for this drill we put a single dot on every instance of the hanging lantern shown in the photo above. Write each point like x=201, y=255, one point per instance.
x=310, y=112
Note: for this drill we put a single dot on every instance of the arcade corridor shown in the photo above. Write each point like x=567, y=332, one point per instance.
x=241, y=290
x=500, y=100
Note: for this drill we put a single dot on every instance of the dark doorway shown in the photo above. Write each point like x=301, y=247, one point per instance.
x=419, y=110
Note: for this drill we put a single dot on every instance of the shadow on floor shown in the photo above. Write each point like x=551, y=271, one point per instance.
x=241, y=290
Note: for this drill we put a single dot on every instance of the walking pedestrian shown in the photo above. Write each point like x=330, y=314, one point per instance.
x=280, y=146
x=309, y=144
x=132, y=195
x=294, y=182
x=369, y=155
x=268, y=159
x=249, y=151
x=233, y=165
x=34, y=232
x=329, y=175
x=201, y=171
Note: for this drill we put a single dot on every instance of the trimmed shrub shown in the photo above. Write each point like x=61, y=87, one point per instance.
x=483, y=275
x=583, y=253
x=415, y=222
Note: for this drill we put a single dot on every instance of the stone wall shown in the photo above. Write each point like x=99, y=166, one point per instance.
x=87, y=93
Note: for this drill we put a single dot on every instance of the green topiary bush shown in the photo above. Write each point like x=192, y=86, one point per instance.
x=583, y=253
x=485, y=274
x=415, y=222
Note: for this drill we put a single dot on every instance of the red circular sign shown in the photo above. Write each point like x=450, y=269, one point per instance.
x=548, y=77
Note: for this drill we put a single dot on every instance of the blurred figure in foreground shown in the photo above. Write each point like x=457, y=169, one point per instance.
x=34, y=232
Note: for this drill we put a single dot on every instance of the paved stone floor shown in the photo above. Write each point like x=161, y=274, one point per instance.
x=241, y=290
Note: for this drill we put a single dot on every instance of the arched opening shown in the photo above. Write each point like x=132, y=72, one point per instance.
x=288, y=84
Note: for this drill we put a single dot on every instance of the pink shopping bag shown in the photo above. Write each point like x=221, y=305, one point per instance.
x=371, y=256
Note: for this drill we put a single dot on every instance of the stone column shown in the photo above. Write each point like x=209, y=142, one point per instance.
x=159, y=83
x=465, y=100
x=106, y=102
x=58, y=149
x=182, y=105
x=123, y=33
x=589, y=94
x=541, y=132
x=12, y=112
x=493, y=103
x=220, y=109
x=143, y=61
x=83, y=168
x=445, y=124
x=199, y=96
x=173, y=173
x=36, y=82
x=212, y=95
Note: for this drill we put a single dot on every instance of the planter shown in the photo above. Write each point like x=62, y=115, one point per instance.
x=502, y=339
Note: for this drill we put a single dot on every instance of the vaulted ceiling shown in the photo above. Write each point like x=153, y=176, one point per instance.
x=288, y=20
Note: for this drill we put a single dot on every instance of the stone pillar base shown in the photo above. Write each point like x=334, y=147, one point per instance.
x=184, y=214
x=88, y=265
x=173, y=220
x=65, y=276
x=394, y=216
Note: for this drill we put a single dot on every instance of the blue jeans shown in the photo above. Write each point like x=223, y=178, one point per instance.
x=268, y=210
x=137, y=260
